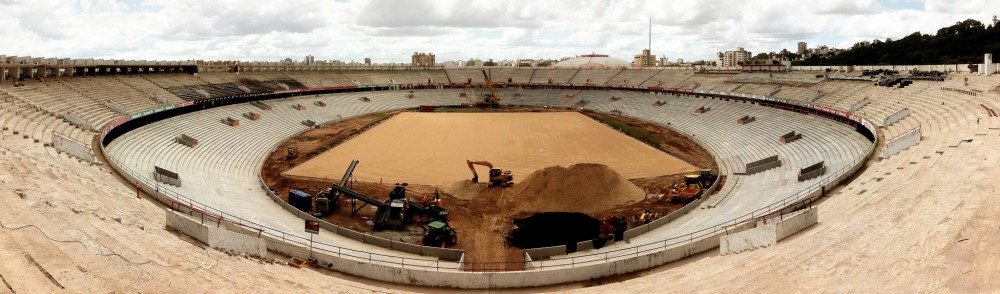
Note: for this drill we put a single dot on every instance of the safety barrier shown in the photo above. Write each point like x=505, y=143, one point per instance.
x=261, y=105
x=962, y=91
x=896, y=116
x=231, y=122
x=252, y=115
x=114, y=106
x=165, y=176
x=790, y=137
x=861, y=103
x=901, y=142
x=762, y=165
x=816, y=96
x=73, y=147
x=186, y=141
x=79, y=121
x=812, y=171
x=746, y=119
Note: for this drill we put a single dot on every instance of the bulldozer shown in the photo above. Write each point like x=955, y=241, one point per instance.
x=692, y=188
x=498, y=177
x=439, y=234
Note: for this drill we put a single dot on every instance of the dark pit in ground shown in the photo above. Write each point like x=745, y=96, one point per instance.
x=548, y=229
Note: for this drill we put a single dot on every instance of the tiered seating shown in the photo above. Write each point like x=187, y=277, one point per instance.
x=594, y=76
x=467, y=75
x=228, y=160
x=51, y=201
x=841, y=94
x=631, y=77
x=148, y=89
x=556, y=76
x=319, y=79
x=669, y=78
x=517, y=76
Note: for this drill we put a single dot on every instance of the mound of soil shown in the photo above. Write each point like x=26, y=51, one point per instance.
x=553, y=229
x=584, y=187
x=464, y=189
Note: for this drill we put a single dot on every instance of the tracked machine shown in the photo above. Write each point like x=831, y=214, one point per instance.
x=490, y=99
x=498, y=177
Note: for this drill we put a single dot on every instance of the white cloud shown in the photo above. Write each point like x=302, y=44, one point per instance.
x=390, y=30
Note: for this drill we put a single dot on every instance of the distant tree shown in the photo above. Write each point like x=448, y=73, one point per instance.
x=963, y=42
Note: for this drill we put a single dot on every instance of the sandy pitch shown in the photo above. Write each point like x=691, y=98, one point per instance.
x=431, y=148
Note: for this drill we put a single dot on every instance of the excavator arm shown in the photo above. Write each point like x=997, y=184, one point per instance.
x=494, y=99
x=475, y=176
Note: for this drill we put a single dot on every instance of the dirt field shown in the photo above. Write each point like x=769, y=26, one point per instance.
x=480, y=215
x=431, y=148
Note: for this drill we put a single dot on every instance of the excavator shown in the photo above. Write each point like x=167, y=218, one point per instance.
x=490, y=99
x=498, y=177
x=694, y=185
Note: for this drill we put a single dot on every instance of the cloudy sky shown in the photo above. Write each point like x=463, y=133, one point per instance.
x=391, y=30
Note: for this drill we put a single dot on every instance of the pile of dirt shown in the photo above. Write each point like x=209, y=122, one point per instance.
x=584, y=187
x=464, y=189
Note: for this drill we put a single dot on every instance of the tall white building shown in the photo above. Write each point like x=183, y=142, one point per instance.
x=309, y=59
x=733, y=58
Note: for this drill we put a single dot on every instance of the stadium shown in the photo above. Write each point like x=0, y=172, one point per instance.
x=177, y=177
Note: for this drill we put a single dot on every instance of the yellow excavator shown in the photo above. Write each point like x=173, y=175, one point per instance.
x=490, y=99
x=498, y=177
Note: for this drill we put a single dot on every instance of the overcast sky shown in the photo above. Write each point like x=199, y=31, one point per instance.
x=391, y=30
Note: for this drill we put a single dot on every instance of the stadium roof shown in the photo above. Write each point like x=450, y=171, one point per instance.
x=592, y=61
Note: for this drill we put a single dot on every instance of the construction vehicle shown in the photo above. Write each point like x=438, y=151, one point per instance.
x=392, y=213
x=327, y=201
x=498, y=177
x=439, y=234
x=293, y=153
x=489, y=99
x=692, y=188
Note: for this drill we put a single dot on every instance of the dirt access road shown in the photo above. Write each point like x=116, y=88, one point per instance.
x=431, y=148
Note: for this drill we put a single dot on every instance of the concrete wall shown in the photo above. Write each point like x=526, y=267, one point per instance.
x=545, y=252
x=896, y=116
x=901, y=143
x=215, y=237
x=768, y=232
x=223, y=239
x=79, y=121
x=76, y=149
x=761, y=236
x=183, y=224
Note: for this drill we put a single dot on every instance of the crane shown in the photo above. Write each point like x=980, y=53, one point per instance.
x=498, y=177
x=491, y=99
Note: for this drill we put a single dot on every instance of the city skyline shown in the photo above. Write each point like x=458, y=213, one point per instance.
x=390, y=31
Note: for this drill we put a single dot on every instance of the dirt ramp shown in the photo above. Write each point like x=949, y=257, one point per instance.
x=464, y=189
x=584, y=187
